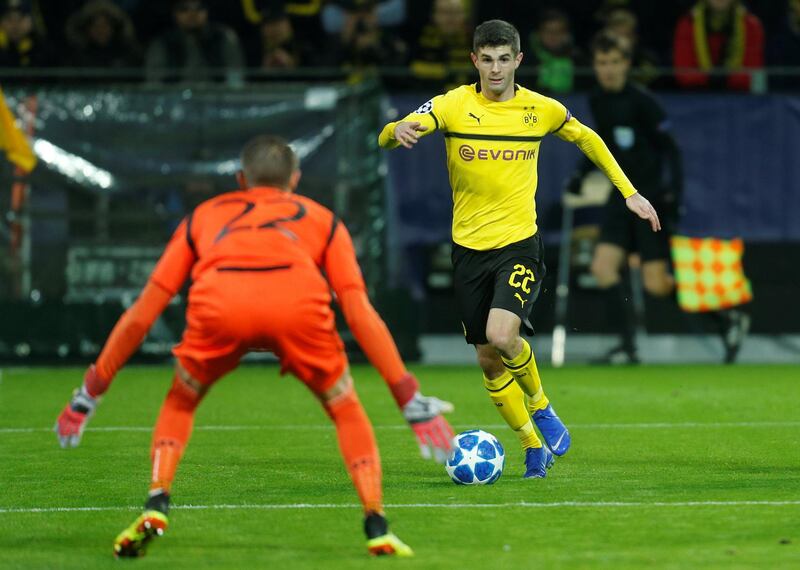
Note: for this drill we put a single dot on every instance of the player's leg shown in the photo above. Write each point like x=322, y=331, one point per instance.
x=517, y=286
x=211, y=347
x=309, y=347
x=474, y=288
x=509, y=401
x=360, y=453
x=172, y=432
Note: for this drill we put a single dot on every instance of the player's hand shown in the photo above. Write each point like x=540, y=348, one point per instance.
x=434, y=434
x=642, y=207
x=73, y=418
x=405, y=132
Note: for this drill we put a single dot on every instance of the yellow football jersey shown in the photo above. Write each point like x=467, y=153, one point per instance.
x=492, y=153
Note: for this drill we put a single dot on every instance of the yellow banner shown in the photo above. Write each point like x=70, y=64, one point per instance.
x=13, y=141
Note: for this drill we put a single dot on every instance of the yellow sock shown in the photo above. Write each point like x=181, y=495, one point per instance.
x=509, y=400
x=523, y=368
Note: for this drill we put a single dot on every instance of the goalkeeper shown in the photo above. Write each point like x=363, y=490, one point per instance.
x=255, y=258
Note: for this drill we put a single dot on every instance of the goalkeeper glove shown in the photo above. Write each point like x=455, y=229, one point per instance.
x=73, y=418
x=434, y=434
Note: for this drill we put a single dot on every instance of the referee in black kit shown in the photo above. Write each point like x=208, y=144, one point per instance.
x=637, y=132
x=636, y=129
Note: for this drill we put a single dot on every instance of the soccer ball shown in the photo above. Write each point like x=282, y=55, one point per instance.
x=477, y=458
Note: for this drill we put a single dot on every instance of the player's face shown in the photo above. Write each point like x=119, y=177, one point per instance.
x=611, y=69
x=496, y=66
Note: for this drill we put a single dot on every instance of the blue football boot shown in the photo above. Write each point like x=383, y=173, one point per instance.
x=553, y=430
x=537, y=461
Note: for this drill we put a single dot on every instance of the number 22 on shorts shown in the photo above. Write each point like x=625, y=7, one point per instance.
x=521, y=272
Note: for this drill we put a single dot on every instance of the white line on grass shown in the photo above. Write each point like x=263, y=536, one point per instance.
x=523, y=504
x=300, y=427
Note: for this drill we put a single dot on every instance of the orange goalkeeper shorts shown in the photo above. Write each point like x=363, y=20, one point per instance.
x=281, y=309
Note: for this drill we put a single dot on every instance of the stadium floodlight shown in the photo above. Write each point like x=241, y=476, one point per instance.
x=72, y=166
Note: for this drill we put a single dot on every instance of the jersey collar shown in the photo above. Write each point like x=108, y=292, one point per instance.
x=477, y=87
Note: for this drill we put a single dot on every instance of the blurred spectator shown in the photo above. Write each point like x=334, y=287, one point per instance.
x=721, y=37
x=196, y=49
x=20, y=45
x=784, y=49
x=553, y=52
x=260, y=23
x=389, y=13
x=101, y=35
x=362, y=42
x=623, y=23
x=441, y=51
x=280, y=48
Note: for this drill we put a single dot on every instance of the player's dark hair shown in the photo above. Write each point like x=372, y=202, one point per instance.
x=268, y=160
x=495, y=33
x=605, y=42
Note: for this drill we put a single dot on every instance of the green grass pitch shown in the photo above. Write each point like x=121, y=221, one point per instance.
x=671, y=467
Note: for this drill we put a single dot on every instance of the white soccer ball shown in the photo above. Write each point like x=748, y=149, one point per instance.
x=477, y=458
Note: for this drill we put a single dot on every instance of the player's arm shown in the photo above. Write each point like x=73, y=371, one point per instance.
x=423, y=413
x=585, y=165
x=572, y=130
x=130, y=330
x=412, y=127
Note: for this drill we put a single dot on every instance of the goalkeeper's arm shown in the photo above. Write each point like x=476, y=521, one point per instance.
x=171, y=271
x=423, y=413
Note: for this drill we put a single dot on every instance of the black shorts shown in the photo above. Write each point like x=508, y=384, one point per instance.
x=506, y=278
x=625, y=229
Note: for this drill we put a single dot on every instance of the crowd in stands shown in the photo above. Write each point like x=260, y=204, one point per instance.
x=703, y=44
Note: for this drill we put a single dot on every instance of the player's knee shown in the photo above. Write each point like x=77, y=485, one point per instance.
x=502, y=338
x=186, y=392
x=183, y=396
x=342, y=391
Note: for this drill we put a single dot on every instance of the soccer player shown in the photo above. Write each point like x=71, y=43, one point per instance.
x=492, y=131
x=638, y=131
x=256, y=258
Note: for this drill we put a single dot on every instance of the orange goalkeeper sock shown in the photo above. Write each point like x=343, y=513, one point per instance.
x=358, y=447
x=173, y=429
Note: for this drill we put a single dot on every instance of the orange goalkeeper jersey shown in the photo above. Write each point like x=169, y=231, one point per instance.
x=258, y=230
x=262, y=229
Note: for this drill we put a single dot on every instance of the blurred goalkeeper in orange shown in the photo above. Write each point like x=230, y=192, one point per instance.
x=256, y=259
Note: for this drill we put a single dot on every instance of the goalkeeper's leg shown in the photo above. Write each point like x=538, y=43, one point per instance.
x=173, y=429
x=360, y=453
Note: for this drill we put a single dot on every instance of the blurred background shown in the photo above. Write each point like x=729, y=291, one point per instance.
x=136, y=110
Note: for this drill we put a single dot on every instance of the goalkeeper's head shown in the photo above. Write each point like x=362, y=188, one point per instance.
x=268, y=160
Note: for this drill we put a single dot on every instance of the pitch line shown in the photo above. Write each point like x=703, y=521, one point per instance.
x=523, y=504
x=300, y=427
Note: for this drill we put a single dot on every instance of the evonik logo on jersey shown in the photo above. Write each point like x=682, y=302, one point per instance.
x=469, y=153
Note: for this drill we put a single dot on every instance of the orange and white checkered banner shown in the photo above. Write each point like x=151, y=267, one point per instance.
x=709, y=274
